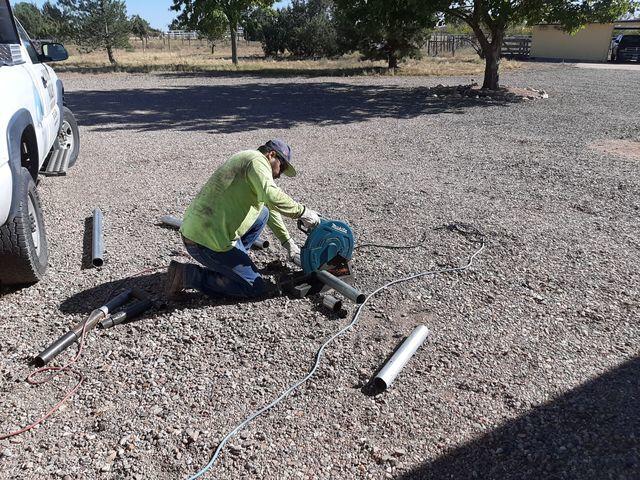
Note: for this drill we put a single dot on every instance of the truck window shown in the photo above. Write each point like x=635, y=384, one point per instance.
x=7, y=29
x=28, y=44
x=630, y=41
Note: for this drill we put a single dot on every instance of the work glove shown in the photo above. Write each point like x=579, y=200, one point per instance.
x=309, y=218
x=293, y=250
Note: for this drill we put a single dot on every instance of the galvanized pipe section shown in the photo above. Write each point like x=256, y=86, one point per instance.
x=73, y=335
x=391, y=369
x=260, y=244
x=341, y=287
x=171, y=221
x=97, y=241
x=332, y=303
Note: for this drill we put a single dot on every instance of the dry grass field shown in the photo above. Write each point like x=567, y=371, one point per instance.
x=196, y=56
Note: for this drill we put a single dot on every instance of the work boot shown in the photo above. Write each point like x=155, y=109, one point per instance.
x=175, y=280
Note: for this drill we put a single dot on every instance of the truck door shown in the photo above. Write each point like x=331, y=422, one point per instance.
x=45, y=95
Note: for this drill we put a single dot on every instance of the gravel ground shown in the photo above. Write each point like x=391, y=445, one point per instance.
x=532, y=368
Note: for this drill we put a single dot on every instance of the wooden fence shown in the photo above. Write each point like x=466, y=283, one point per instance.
x=445, y=44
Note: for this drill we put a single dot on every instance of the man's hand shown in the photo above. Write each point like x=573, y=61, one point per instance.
x=309, y=218
x=292, y=249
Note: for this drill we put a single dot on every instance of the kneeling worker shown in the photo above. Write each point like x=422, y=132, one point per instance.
x=226, y=218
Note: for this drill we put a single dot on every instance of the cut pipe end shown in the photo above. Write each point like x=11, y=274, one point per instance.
x=379, y=385
x=97, y=262
x=39, y=361
x=361, y=298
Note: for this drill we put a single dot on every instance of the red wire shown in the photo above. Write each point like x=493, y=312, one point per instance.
x=65, y=368
x=58, y=370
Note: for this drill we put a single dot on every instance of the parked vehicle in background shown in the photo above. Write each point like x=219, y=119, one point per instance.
x=38, y=135
x=625, y=48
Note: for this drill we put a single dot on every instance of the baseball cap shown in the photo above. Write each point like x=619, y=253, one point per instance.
x=284, y=150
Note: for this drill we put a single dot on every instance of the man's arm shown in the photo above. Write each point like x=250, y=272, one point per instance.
x=261, y=180
x=277, y=226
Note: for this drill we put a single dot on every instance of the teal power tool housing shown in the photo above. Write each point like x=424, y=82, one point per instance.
x=325, y=260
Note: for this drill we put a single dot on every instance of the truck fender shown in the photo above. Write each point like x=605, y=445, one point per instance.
x=19, y=122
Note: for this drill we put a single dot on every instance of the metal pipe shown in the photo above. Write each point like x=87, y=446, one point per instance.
x=97, y=242
x=332, y=303
x=260, y=244
x=341, y=287
x=127, y=314
x=391, y=369
x=171, y=221
x=75, y=333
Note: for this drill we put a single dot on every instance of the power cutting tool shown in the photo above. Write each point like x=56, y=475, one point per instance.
x=325, y=260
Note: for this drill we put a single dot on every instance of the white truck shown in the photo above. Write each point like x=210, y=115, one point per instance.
x=38, y=135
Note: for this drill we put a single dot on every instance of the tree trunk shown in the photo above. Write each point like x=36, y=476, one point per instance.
x=110, y=55
x=233, y=28
x=393, y=61
x=492, y=65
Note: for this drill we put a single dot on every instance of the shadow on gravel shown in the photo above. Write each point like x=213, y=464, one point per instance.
x=252, y=106
x=591, y=432
x=84, y=302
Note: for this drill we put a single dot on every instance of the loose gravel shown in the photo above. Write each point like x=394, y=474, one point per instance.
x=532, y=367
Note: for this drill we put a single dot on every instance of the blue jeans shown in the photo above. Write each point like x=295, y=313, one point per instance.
x=231, y=273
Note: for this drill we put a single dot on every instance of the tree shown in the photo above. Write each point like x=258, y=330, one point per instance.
x=213, y=26
x=58, y=24
x=140, y=28
x=193, y=11
x=254, y=20
x=31, y=19
x=490, y=19
x=310, y=28
x=99, y=24
x=385, y=29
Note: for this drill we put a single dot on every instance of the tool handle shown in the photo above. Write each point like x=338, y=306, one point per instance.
x=302, y=229
x=118, y=300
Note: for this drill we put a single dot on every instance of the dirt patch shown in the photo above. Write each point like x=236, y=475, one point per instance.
x=623, y=148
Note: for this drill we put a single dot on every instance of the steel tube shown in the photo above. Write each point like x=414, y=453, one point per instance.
x=55, y=348
x=260, y=244
x=97, y=242
x=128, y=313
x=391, y=369
x=341, y=287
x=75, y=333
x=171, y=221
x=332, y=303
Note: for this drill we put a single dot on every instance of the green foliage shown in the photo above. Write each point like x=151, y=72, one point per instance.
x=254, y=20
x=31, y=19
x=140, y=27
x=385, y=29
x=192, y=12
x=213, y=27
x=274, y=36
x=98, y=24
x=58, y=24
x=305, y=29
x=310, y=29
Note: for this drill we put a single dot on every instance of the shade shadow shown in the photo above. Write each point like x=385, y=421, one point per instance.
x=591, y=432
x=252, y=106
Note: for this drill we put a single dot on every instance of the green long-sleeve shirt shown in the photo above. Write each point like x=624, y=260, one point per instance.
x=231, y=200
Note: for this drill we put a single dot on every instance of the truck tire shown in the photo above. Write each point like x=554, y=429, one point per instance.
x=23, y=240
x=69, y=136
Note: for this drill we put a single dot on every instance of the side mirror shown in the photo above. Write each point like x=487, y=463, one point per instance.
x=54, y=52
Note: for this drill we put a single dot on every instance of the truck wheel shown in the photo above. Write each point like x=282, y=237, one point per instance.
x=23, y=241
x=69, y=136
